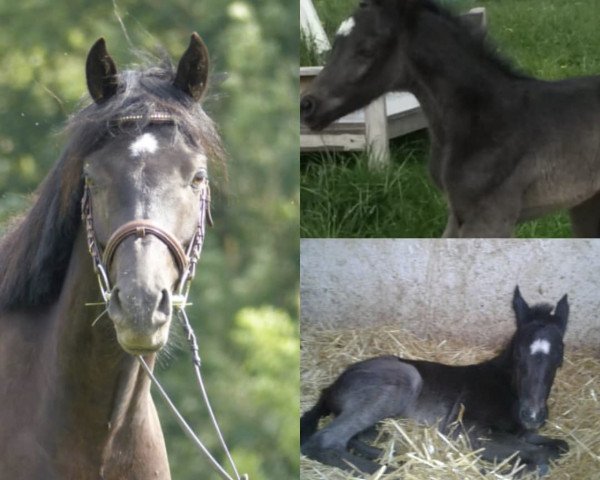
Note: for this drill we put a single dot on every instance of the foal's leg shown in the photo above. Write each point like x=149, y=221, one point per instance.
x=492, y=217
x=585, y=218
x=364, y=449
x=363, y=395
x=555, y=447
x=484, y=211
x=500, y=446
x=452, y=227
x=359, y=444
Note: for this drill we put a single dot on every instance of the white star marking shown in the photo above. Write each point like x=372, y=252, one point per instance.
x=346, y=27
x=540, y=346
x=145, y=143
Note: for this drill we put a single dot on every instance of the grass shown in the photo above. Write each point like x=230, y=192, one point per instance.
x=340, y=197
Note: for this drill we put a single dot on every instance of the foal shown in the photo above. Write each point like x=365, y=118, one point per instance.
x=504, y=399
x=505, y=147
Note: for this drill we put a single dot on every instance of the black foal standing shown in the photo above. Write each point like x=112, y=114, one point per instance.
x=504, y=399
x=505, y=147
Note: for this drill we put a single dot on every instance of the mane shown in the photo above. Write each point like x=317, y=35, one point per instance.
x=479, y=45
x=35, y=254
x=541, y=310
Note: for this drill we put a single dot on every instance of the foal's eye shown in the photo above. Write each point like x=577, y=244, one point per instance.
x=199, y=178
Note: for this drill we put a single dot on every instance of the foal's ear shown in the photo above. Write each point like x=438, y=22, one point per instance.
x=561, y=313
x=475, y=22
x=192, y=71
x=520, y=307
x=100, y=72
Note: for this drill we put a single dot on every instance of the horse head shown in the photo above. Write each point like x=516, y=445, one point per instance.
x=537, y=354
x=366, y=60
x=146, y=191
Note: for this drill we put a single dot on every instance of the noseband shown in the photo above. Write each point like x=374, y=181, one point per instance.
x=139, y=229
x=186, y=260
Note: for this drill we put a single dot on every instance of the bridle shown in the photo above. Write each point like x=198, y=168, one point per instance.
x=186, y=261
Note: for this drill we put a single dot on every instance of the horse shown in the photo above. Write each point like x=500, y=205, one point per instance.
x=130, y=188
x=505, y=147
x=500, y=402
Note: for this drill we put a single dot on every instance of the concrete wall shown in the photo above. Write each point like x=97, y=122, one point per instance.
x=445, y=288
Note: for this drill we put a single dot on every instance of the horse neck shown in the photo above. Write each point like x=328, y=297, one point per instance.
x=100, y=388
x=452, y=80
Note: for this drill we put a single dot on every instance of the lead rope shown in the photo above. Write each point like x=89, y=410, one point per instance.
x=179, y=303
x=196, y=363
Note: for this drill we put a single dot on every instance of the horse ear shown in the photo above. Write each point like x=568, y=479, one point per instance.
x=561, y=313
x=100, y=72
x=192, y=71
x=520, y=307
x=475, y=22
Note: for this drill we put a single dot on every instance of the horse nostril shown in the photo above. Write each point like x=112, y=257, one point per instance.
x=115, y=301
x=164, y=304
x=308, y=106
x=531, y=416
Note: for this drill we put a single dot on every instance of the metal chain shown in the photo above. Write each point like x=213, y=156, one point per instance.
x=87, y=215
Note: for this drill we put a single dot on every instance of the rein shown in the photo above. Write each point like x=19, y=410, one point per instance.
x=186, y=261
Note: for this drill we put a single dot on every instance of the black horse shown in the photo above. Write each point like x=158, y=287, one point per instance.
x=505, y=147
x=503, y=400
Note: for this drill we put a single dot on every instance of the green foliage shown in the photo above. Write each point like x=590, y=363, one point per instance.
x=548, y=39
x=275, y=370
x=248, y=274
x=309, y=55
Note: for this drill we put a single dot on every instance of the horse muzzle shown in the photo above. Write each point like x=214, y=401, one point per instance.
x=141, y=317
x=533, y=418
x=141, y=302
x=317, y=113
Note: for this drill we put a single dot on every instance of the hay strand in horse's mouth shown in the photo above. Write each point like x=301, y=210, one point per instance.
x=420, y=453
x=99, y=316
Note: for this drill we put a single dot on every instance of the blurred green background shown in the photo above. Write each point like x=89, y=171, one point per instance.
x=246, y=291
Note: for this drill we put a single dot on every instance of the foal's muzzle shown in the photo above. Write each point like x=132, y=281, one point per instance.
x=533, y=418
x=308, y=105
x=317, y=112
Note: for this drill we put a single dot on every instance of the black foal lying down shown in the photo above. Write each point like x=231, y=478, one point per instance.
x=504, y=398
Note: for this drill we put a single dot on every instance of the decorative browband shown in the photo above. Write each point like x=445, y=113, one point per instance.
x=158, y=117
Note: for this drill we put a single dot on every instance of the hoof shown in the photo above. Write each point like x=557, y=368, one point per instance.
x=543, y=469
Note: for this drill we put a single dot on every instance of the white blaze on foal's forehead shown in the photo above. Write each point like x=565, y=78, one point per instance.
x=346, y=27
x=145, y=143
x=540, y=346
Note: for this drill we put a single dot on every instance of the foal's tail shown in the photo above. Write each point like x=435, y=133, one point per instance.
x=309, y=422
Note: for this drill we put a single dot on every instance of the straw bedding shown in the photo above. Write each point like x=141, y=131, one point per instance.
x=419, y=453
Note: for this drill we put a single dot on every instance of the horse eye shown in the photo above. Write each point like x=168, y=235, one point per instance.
x=199, y=178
